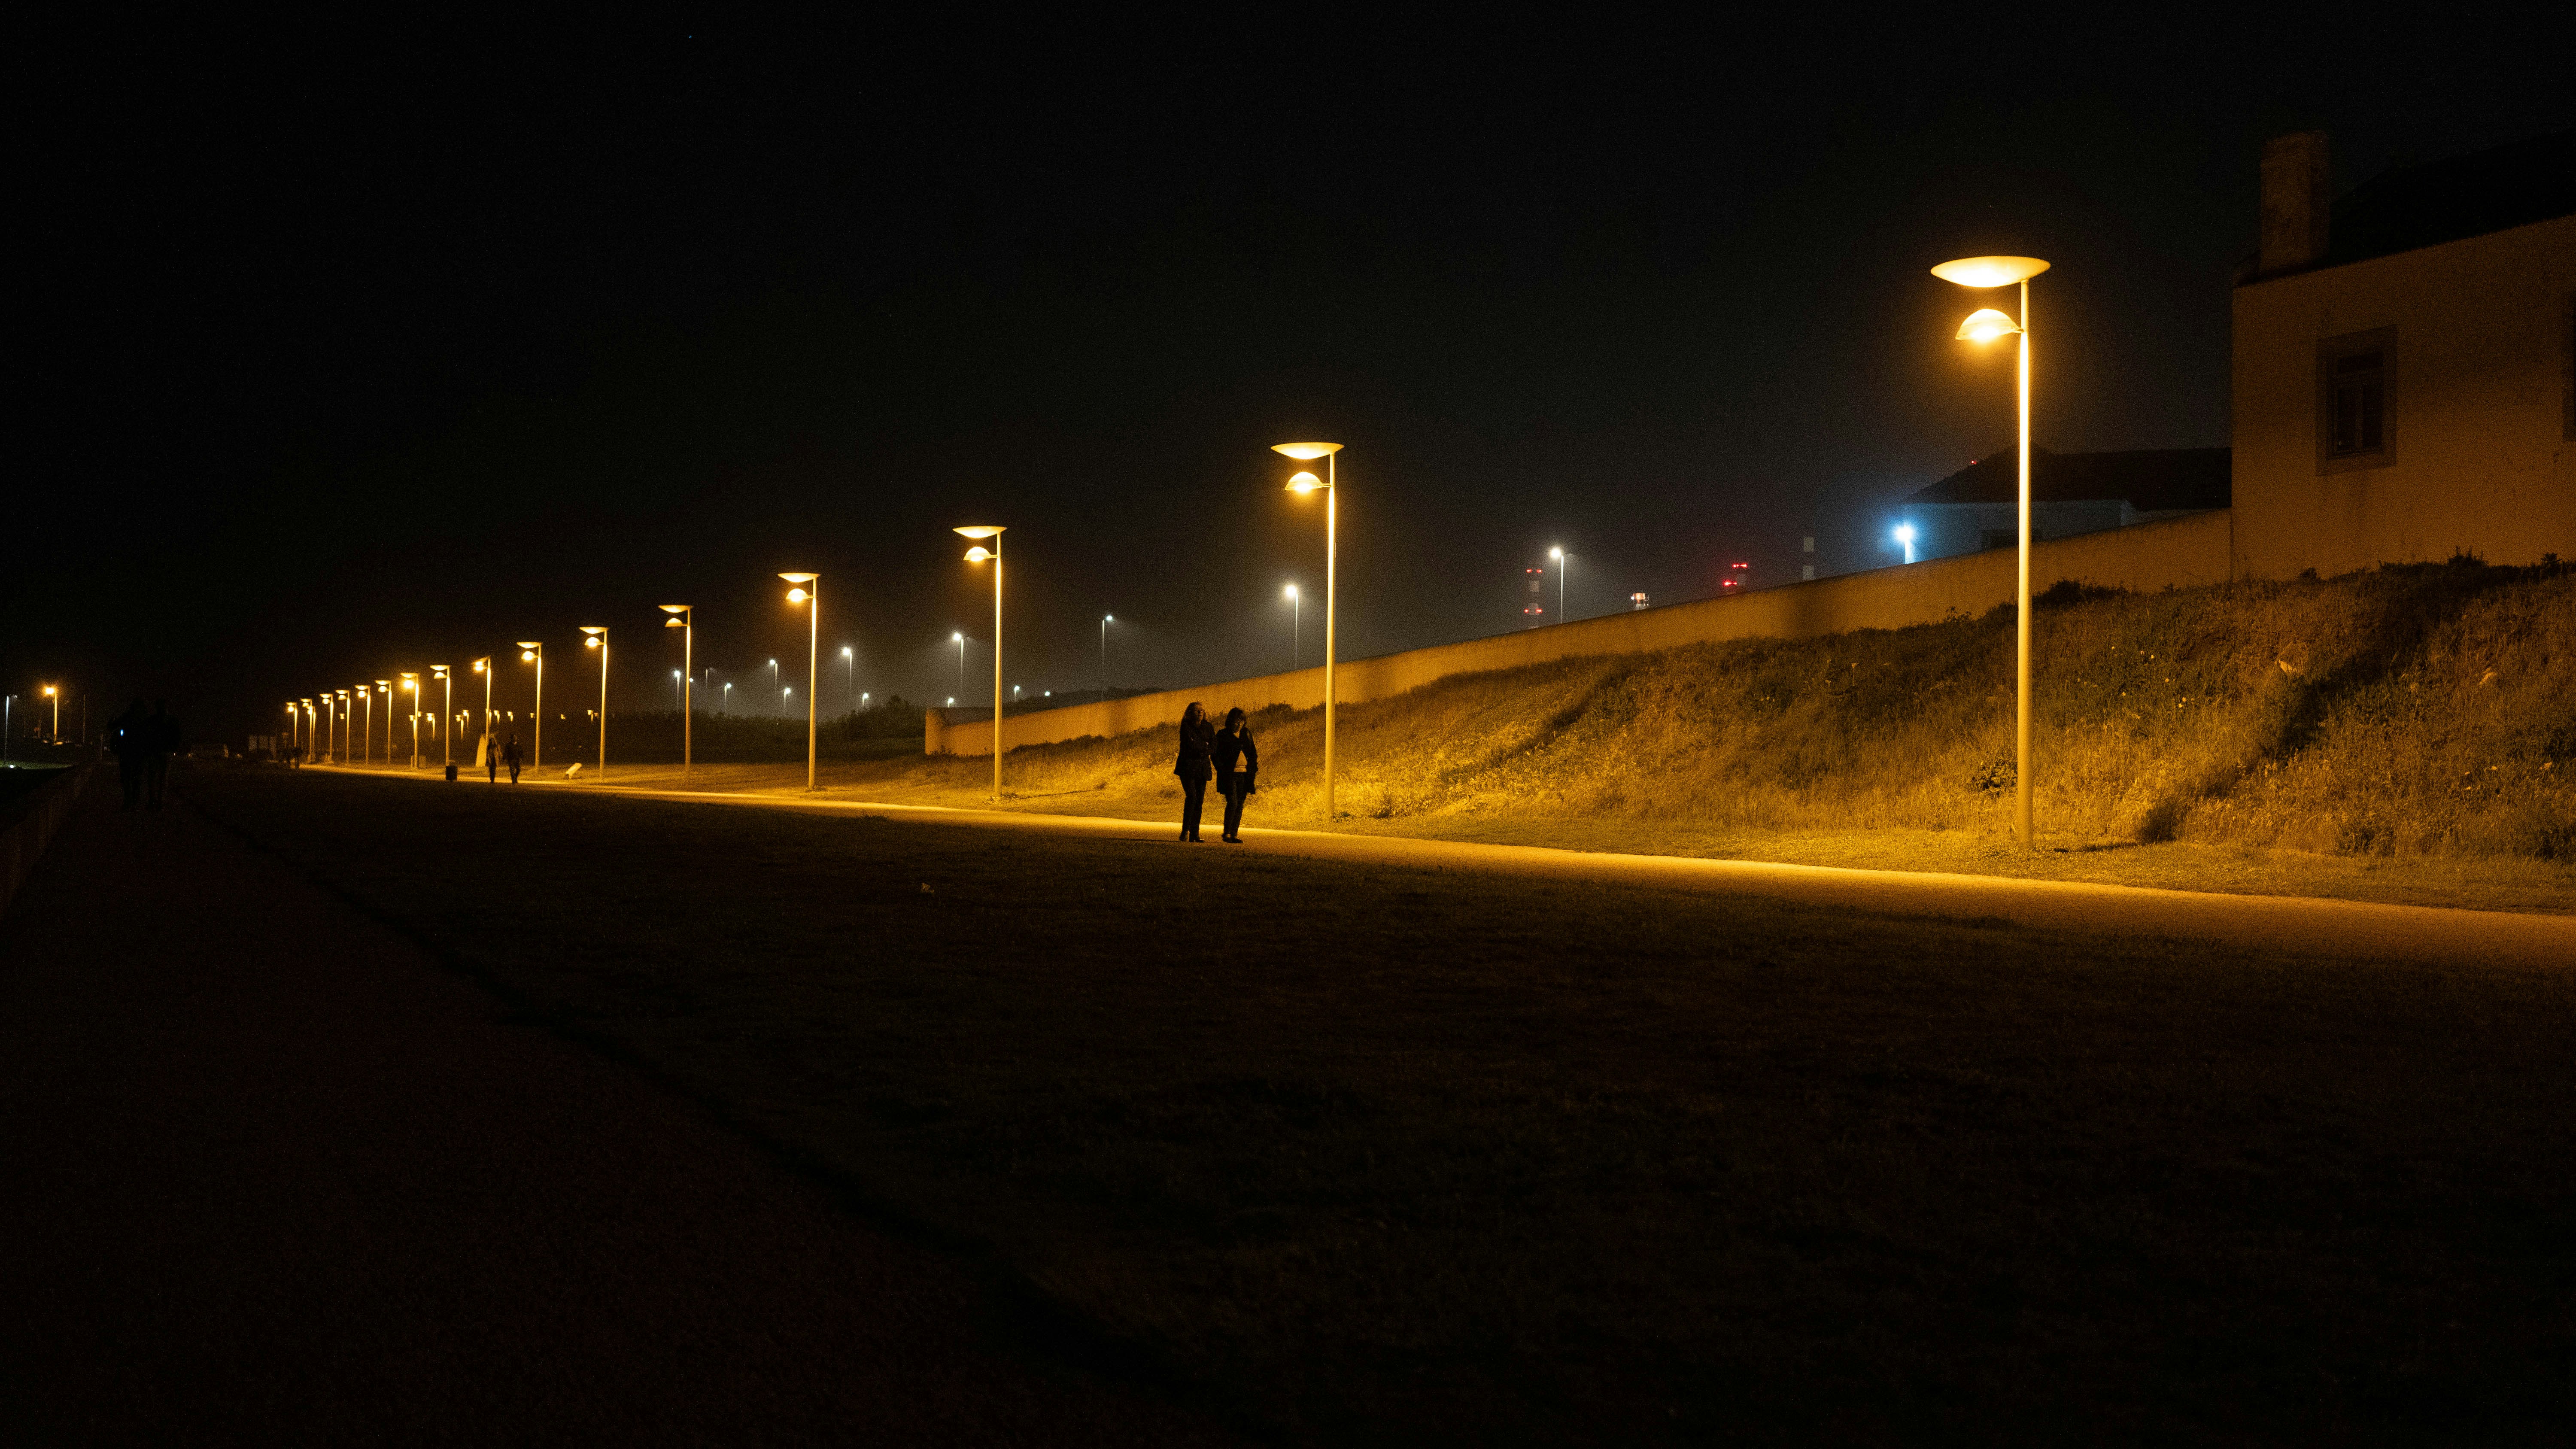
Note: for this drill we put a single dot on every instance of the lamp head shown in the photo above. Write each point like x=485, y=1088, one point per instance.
x=1556, y=553
x=1904, y=533
x=978, y=554
x=1981, y=272
x=800, y=578
x=530, y=644
x=1985, y=325
x=480, y=663
x=1290, y=592
x=526, y=655
x=1305, y=452
x=957, y=638
x=976, y=530
x=797, y=596
x=1304, y=483
x=673, y=608
x=675, y=624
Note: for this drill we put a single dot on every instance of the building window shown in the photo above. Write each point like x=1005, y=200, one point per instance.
x=2355, y=425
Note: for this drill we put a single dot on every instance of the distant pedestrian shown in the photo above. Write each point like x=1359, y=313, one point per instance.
x=1236, y=763
x=510, y=756
x=1197, y=741
x=295, y=757
x=166, y=739
x=491, y=759
x=130, y=738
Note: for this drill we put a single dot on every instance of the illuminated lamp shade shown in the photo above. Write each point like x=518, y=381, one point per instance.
x=1305, y=452
x=976, y=530
x=1985, y=325
x=1304, y=483
x=797, y=596
x=1990, y=271
x=978, y=554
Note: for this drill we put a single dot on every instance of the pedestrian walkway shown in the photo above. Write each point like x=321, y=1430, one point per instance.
x=270, y=1173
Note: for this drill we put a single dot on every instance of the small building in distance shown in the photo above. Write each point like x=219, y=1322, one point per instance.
x=1979, y=506
x=2404, y=376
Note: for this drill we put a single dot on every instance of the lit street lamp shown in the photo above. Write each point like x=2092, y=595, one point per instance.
x=534, y=652
x=1308, y=483
x=1903, y=533
x=777, y=701
x=1296, y=629
x=55, y=693
x=595, y=636
x=809, y=592
x=685, y=620
x=850, y=680
x=1558, y=554
x=447, y=713
x=724, y=700
x=1985, y=325
x=1105, y=621
x=385, y=687
x=979, y=554
x=410, y=683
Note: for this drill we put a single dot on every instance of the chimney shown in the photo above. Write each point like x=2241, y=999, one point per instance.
x=2298, y=201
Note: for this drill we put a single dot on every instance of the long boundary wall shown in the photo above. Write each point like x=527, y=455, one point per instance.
x=2177, y=553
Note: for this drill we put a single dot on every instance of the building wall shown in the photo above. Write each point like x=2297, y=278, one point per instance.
x=1943, y=529
x=2478, y=412
x=2180, y=553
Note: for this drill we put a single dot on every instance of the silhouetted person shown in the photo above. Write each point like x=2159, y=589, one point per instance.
x=129, y=737
x=1236, y=763
x=165, y=740
x=510, y=756
x=491, y=759
x=1197, y=740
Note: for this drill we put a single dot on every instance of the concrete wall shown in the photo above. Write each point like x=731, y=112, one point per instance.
x=2478, y=413
x=2180, y=553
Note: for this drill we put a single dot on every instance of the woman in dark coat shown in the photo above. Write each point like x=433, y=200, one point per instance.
x=1236, y=763
x=1197, y=740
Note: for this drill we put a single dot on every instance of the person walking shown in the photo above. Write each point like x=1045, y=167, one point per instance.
x=491, y=752
x=165, y=739
x=1197, y=740
x=1236, y=763
x=130, y=737
x=510, y=757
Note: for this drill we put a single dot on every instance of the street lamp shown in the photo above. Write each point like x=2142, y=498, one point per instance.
x=1296, y=628
x=446, y=713
x=55, y=694
x=1105, y=621
x=411, y=683
x=385, y=687
x=1558, y=554
x=850, y=680
x=1985, y=325
x=534, y=652
x=595, y=636
x=1308, y=483
x=1903, y=533
x=724, y=701
x=809, y=592
x=979, y=554
x=686, y=621
x=776, y=704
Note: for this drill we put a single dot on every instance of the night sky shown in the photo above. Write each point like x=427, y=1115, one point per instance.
x=343, y=352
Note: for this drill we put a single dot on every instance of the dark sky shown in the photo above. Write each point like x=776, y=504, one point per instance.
x=339, y=352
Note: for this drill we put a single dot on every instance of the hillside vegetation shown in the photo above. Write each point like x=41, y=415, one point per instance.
x=2427, y=710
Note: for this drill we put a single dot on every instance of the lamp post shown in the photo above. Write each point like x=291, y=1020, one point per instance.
x=979, y=554
x=533, y=651
x=385, y=687
x=777, y=701
x=960, y=637
x=1105, y=621
x=483, y=666
x=1558, y=554
x=1903, y=533
x=1985, y=325
x=55, y=693
x=1296, y=629
x=725, y=700
x=595, y=636
x=685, y=619
x=446, y=714
x=411, y=684
x=850, y=678
x=366, y=723
x=330, y=726
x=1308, y=483
x=809, y=592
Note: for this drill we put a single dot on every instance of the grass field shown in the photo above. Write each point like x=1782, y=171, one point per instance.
x=1412, y=1156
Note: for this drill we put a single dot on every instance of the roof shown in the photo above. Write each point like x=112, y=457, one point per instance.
x=2406, y=207
x=2151, y=481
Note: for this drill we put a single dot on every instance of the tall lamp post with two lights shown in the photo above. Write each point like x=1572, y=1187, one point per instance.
x=447, y=713
x=809, y=592
x=595, y=636
x=411, y=685
x=979, y=554
x=684, y=619
x=533, y=651
x=1307, y=483
x=1985, y=325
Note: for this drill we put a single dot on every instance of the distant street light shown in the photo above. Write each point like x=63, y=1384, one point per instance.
x=1308, y=483
x=595, y=636
x=1296, y=629
x=1105, y=621
x=385, y=687
x=777, y=701
x=725, y=700
x=850, y=678
x=686, y=621
x=979, y=554
x=1985, y=325
x=55, y=694
x=531, y=651
x=960, y=637
x=447, y=713
x=809, y=592
x=1558, y=554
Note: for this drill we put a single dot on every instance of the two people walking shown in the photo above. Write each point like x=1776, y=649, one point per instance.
x=1228, y=755
x=143, y=743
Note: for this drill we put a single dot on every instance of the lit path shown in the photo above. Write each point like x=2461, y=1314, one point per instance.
x=2353, y=929
x=271, y=1173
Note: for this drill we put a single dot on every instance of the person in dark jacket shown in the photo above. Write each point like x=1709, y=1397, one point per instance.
x=510, y=757
x=166, y=739
x=1197, y=741
x=1236, y=763
x=131, y=736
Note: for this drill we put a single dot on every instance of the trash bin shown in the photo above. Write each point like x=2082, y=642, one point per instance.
x=451, y=774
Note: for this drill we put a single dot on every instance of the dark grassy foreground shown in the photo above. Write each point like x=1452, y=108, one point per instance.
x=1419, y=1157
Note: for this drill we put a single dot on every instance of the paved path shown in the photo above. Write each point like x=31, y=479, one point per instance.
x=269, y=1173
x=2353, y=929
